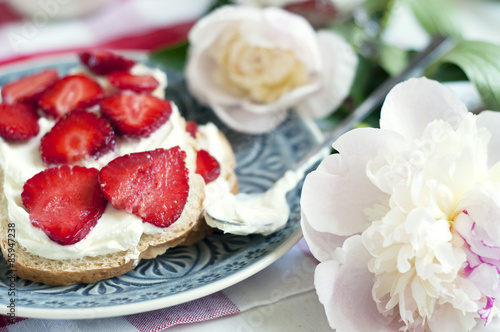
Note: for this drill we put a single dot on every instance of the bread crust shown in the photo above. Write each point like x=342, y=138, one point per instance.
x=188, y=229
x=92, y=269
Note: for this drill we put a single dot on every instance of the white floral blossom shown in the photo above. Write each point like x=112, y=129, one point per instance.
x=419, y=199
x=250, y=65
x=343, y=7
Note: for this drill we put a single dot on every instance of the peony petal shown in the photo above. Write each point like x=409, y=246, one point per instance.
x=483, y=206
x=369, y=143
x=413, y=104
x=346, y=291
x=322, y=245
x=335, y=196
x=337, y=75
x=491, y=121
x=493, y=326
x=334, y=203
x=445, y=318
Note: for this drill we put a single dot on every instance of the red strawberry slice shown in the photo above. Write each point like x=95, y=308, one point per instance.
x=135, y=114
x=137, y=83
x=70, y=92
x=18, y=122
x=192, y=128
x=152, y=185
x=28, y=89
x=104, y=62
x=319, y=13
x=64, y=202
x=75, y=136
x=207, y=166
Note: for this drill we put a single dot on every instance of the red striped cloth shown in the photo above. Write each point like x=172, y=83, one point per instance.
x=290, y=275
x=126, y=24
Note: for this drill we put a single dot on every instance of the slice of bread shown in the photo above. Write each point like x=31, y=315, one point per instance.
x=91, y=269
x=188, y=229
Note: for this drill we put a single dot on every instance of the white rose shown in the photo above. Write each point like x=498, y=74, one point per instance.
x=343, y=7
x=251, y=65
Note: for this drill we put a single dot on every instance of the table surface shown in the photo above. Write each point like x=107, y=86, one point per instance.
x=301, y=312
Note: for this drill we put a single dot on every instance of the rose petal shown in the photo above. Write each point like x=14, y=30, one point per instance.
x=491, y=121
x=346, y=7
x=322, y=245
x=248, y=122
x=268, y=28
x=411, y=105
x=346, y=291
x=277, y=3
x=291, y=32
x=340, y=64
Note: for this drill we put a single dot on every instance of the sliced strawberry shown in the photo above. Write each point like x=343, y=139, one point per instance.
x=64, y=202
x=319, y=13
x=70, y=92
x=135, y=114
x=192, y=128
x=104, y=62
x=75, y=136
x=18, y=122
x=152, y=185
x=28, y=89
x=137, y=83
x=207, y=166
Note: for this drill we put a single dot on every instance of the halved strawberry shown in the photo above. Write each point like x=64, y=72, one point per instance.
x=192, y=128
x=207, y=166
x=64, y=202
x=75, y=136
x=152, y=185
x=28, y=89
x=105, y=62
x=135, y=114
x=70, y=92
x=18, y=122
x=137, y=83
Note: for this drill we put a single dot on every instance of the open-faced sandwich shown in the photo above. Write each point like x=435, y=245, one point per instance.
x=99, y=171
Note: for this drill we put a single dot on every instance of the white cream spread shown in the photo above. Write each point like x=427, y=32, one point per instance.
x=209, y=140
x=116, y=230
x=262, y=213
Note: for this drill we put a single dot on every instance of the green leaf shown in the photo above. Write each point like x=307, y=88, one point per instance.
x=174, y=57
x=219, y=3
x=393, y=59
x=437, y=17
x=480, y=61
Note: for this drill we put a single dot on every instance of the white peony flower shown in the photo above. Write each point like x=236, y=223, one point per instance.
x=405, y=219
x=251, y=65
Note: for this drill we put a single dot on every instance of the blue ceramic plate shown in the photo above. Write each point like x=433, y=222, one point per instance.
x=184, y=273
